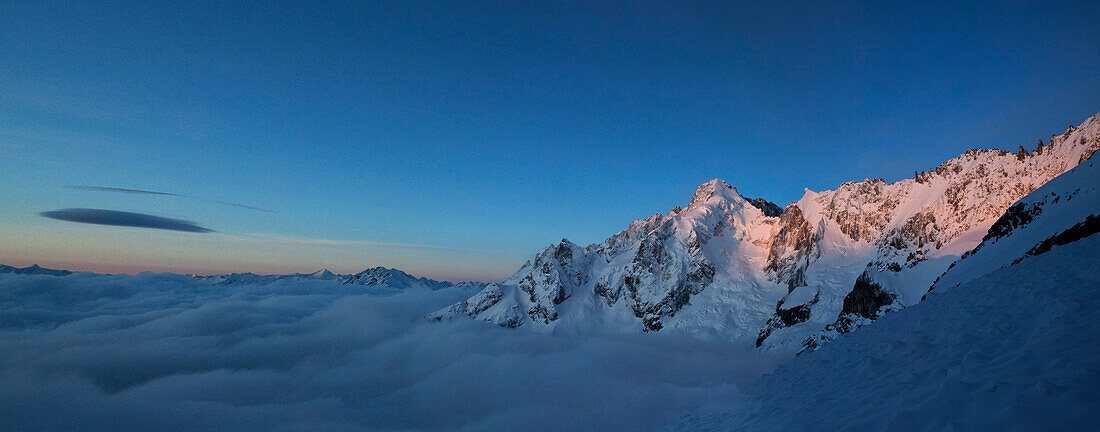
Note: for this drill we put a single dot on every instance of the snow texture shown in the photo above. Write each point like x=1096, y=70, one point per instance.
x=1013, y=350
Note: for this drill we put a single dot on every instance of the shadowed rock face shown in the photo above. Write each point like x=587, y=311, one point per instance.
x=866, y=298
x=554, y=275
x=785, y=318
x=1018, y=215
x=769, y=208
x=1085, y=228
x=792, y=249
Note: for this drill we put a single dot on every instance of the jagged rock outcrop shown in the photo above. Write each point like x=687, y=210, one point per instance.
x=769, y=208
x=1061, y=212
x=792, y=249
x=865, y=302
x=553, y=276
x=911, y=231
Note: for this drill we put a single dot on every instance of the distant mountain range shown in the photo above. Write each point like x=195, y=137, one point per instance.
x=34, y=270
x=377, y=276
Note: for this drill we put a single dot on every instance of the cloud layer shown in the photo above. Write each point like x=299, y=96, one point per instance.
x=121, y=218
x=168, y=352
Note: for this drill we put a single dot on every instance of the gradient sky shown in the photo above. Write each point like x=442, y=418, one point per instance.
x=456, y=140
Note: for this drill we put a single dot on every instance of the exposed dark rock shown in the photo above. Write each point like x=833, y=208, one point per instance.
x=865, y=301
x=1018, y=215
x=699, y=277
x=792, y=249
x=866, y=298
x=792, y=316
x=769, y=208
x=563, y=252
x=1090, y=150
x=1080, y=230
x=785, y=318
x=553, y=277
x=850, y=214
x=920, y=229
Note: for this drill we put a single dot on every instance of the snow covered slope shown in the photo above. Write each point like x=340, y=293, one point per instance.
x=1062, y=211
x=1013, y=350
x=728, y=267
x=920, y=227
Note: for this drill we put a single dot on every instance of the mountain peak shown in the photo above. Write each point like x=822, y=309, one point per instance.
x=711, y=189
x=393, y=278
x=322, y=274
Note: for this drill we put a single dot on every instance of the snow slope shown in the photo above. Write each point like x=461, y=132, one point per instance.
x=1061, y=211
x=1013, y=350
x=727, y=267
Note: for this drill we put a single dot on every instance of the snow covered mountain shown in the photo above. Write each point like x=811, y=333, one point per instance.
x=1063, y=211
x=1007, y=332
x=908, y=233
x=34, y=270
x=730, y=267
x=393, y=278
x=254, y=279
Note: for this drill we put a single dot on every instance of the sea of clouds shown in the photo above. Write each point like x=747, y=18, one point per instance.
x=170, y=352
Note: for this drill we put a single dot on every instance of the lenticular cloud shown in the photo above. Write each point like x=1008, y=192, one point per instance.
x=121, y=218
x=169, y=352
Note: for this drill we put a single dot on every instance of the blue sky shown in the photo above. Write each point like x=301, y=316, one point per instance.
x=455, y=140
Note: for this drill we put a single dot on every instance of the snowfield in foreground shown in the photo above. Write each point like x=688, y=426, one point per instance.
x=1013, y=350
